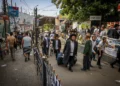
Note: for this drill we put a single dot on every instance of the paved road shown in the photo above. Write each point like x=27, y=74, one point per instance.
x=18, y=73
x=94, y=77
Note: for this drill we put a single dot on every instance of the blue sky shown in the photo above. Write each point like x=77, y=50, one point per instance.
x=45, y=7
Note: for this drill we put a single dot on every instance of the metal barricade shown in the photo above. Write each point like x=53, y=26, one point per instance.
x=45, y=70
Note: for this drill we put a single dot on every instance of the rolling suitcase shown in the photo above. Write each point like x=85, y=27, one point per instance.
x=60, y=59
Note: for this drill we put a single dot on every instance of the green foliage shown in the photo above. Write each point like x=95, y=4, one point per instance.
x=48, y=27
x=81, y=10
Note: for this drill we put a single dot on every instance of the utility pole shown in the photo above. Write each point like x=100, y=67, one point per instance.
x=15, y=4
x=11, y=2
x=36, y=29
x=5, y=13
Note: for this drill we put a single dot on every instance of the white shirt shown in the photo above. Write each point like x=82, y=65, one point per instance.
x=93, y=45
x=72, y=48
x=102, y=45
x=56, y=46
x=103, y=33
x=47, y=44
x=51, y=36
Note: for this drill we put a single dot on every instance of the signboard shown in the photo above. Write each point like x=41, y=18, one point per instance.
x=13, y=11
x=119, y=7
x=95, y=18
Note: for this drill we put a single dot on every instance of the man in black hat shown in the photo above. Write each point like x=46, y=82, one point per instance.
x=56, y=44
x=115, y=32
x=70, y=51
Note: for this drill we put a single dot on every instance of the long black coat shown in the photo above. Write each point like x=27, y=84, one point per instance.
x=67, y=52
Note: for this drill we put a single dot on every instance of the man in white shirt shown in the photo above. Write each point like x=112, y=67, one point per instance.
x=101, y=47
x=94, y=43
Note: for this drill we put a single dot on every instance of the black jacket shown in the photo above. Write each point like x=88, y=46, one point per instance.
x=59, y=44
x=118, y=53
x=115, y=34
x=67, y=52
x=44, y=43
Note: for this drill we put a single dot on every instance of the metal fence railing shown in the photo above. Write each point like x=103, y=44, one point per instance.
x=45, y=70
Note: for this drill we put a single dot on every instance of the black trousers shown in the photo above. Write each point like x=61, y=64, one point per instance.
x=116, y=61
x=92, y=57
x=56, y=52
x=99, y=58
x=71, y=61
x=86, y=62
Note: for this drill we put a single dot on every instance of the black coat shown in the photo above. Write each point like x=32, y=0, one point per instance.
x=44, y=43
x=118, y=53
x=115, y=34
x=59, y=44
x=67, y=52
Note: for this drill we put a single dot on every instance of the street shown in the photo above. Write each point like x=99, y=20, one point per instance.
x=95, y=77
x=18, y=73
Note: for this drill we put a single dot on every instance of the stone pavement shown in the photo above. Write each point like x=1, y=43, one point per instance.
x=94, y=77
x=18, y=73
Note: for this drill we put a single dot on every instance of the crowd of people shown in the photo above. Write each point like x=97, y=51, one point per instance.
x=21, y=40
x=95, y=44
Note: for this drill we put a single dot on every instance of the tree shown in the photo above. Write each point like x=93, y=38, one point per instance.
x=48, y=27
x=81, y=10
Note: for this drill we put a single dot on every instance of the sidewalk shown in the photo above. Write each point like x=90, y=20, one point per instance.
x=18, y=73
x=94, y=77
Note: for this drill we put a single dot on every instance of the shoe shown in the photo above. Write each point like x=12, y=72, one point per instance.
x=94, y=60
x=99, y=67
x=83, y=69
x=91, y=66
x=70, y=69
x=111, y=66
x=25, y=59
x=88, y=69
x=13, y=60
x=119, y=70
x=65, y=65
x=28, y=58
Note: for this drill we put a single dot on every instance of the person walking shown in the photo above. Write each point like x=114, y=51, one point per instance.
x=27, y=44
x=45, y=45
x=94, y=43
x=70, y=51
x=20, y=37
x=57, y=45
x=116, y=33
x=101, y=49
x=11, y=41
x=87, y=53
x=117, y=59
